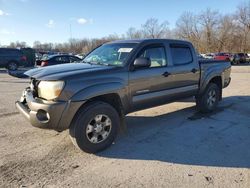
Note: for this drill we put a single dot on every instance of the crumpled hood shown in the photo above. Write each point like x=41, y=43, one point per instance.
x=57, y=72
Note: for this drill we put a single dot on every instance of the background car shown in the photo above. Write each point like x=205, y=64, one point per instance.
x=81, y=56
x=58, y=59
x=239, y=58
x=222, y=56
x=30, y=54
x=12, y=58
x=247, y=58
x=209, y=56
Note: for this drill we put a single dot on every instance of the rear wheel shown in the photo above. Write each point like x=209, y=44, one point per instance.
x=208, y=101
x=12, y=66
x=95, y=127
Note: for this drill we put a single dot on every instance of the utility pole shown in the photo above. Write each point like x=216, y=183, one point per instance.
x=70, y=32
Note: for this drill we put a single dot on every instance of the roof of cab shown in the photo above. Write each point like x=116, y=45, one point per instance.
x=146, y=40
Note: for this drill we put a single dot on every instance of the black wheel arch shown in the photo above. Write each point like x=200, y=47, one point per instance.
x=216, y=79
x=112, y=99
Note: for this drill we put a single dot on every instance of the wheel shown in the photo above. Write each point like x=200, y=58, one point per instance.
x=12, y=66
x=95, y=127
x=208, y=101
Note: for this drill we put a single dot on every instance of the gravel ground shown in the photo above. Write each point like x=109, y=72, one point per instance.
x=167, y=146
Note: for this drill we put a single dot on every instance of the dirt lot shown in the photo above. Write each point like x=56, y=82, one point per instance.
x=167, y=146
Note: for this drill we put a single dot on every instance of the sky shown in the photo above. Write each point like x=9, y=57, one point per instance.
x=59, y=20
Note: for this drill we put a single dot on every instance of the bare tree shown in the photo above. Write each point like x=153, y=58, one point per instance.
x=153, y=29
x=243, y=18
x=210, y=20
x=17, y=44
x=188, y=27
x=224, y=34
x=134, y=33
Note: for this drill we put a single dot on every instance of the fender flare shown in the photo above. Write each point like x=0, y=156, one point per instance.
x=207, y=78
x=98, y=90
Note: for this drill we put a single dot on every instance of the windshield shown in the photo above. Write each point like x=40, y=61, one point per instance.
x=110, y=54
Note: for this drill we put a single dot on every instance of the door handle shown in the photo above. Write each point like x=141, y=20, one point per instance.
x=166, y=74
x=194, y=70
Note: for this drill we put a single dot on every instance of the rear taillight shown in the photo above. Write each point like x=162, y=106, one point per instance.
x=24, y=58
x=44, y=63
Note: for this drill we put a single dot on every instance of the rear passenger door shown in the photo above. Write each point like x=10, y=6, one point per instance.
x=184, y=69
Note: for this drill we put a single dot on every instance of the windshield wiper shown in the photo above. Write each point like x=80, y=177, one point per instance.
x=99, y=63
x=96, y=63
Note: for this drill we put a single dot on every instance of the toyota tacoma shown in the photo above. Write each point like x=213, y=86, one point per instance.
x=91, y=98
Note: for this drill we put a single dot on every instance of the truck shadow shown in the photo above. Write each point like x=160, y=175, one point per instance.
x=221, y=138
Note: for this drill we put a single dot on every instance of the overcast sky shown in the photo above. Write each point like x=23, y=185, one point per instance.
x=50, y=20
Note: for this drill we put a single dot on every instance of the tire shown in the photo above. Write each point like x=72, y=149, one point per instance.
x=208, y=101
x=94, y=127
x=12, y=66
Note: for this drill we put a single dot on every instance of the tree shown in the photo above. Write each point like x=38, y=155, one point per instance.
x=18, y=44
x=133, y=33
x=209, y=19
x=188, y=27
x=37, y=45
x=153, y=29
x=225, y=34
x=243, y=20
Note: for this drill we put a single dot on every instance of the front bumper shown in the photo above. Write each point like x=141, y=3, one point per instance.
x=47, y=114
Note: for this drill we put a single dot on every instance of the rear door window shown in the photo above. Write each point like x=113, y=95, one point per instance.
x=181, y=54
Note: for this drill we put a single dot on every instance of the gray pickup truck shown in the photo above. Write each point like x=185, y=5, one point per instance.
x=91, y=98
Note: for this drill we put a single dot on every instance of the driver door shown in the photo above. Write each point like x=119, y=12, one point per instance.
x=145, y=84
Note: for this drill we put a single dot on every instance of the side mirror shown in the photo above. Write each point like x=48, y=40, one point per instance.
x=142, y=62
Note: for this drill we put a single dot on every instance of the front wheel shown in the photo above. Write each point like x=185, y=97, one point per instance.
x=208, y=101
x=95, y=127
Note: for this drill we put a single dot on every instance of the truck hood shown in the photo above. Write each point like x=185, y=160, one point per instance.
x=57, y=72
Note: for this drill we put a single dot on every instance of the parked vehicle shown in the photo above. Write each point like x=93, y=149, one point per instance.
x=38, y=56
x=222, y=56
x=209, y=56
x=57, y=59
x=30, y=55
x=92, y=98
x=11, y=58
x=239, y=58
x=247, y=58
x=81, y=56
x=200, y=56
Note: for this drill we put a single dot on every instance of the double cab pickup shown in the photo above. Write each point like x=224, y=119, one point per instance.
x=91, y=98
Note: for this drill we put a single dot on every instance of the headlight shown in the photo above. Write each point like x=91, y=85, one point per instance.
x=50, y=89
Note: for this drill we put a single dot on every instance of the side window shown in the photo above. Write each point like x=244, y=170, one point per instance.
x=62, y=59
x=73, y=59
x=181, y=55
x=156, y=55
